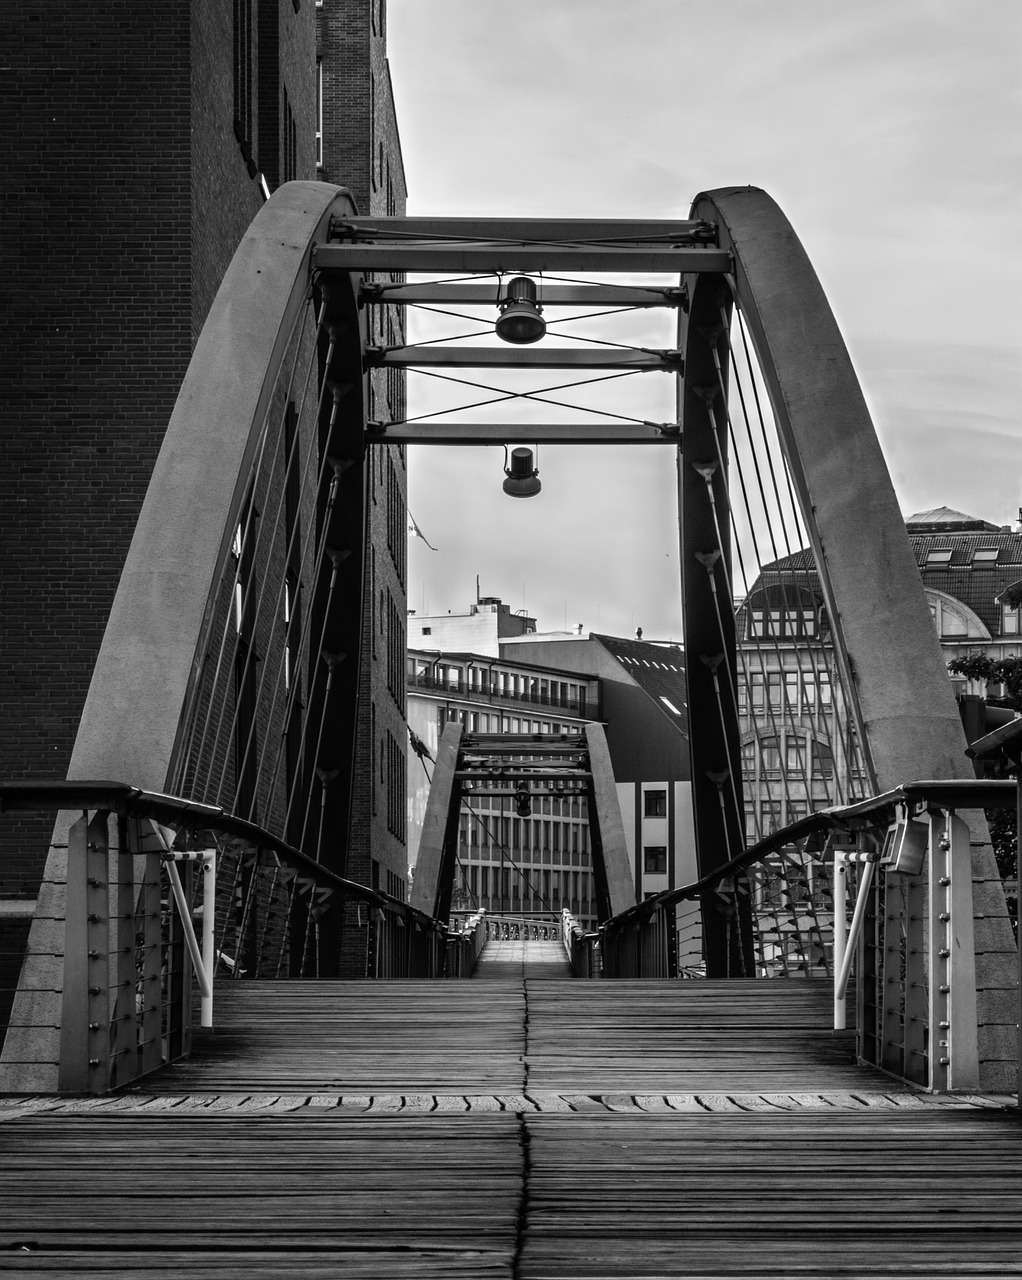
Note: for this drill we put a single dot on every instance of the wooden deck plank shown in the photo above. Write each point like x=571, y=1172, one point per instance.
x=513, y=1128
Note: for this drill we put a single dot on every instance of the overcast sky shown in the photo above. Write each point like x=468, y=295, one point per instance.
x=887, y=130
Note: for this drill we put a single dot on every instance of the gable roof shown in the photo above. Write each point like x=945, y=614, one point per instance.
x=658, y=670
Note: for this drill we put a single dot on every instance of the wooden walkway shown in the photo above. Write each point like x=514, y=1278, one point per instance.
x=516, y=1128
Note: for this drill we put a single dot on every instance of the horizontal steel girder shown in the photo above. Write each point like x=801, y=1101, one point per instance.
x=525, y=230
x=516, y=357
x=472, y=293
x=431, y=256
x=496, y=433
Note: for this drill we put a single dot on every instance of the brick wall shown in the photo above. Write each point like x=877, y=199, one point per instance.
x=96, y=337
x=126, y=192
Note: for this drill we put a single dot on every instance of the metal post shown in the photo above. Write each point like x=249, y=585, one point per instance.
x=857, y=916
x=208, y=933
x=954, y=1038
x=840, y=930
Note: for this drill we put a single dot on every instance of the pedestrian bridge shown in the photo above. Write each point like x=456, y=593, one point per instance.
x=526, y=1122
x=803, y=1063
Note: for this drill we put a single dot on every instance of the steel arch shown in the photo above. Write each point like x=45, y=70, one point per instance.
x=149, y=673
x=883, y=636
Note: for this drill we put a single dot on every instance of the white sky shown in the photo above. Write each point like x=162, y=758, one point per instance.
x=889, y=133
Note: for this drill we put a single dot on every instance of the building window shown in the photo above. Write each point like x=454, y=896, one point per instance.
x=823, y=760
x=771, y=815
x=985, y=555
x=795, y=755
x=939, y=556
x=654, y=860
x=1011, y=620
x=770, y=755
x=654, y=804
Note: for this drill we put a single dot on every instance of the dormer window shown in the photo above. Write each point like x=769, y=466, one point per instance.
x=939, y=556
x=985, y=556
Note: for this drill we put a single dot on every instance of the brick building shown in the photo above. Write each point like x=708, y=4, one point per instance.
x=140, y=142
x=359, y=147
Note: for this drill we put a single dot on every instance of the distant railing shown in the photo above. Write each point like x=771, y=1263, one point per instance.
x=465, y=944
x=522, y=928
x=149, y=900
x=579, y=706
x=929, y=913
x=581, y=947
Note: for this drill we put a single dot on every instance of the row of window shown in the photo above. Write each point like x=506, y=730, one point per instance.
x=981, y=556
x=484, y=722
x=545, y=889
x=525, y=835
x=484, y=681
x=783, y=623
x=767, y=756
x=795, y=690
x=549, y=806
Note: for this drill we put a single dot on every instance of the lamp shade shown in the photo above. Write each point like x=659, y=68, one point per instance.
x=520, y=320
x=521, y=478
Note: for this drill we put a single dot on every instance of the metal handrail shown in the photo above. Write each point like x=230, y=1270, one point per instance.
x=929, y=912
x=114, y=964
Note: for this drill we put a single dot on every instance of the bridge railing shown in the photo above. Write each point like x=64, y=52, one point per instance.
x=465, y=943
x=899, y=891
x=521, y=928
x=149, y=901
x=581, y=946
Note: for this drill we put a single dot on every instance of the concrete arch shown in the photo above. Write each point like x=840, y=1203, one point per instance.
x=182, y=538
x=877, y=609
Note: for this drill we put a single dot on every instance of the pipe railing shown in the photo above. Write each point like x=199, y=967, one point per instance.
x=147, y=902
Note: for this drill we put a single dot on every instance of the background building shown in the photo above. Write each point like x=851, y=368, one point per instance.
x=645, y=712
x=481, y=630
x=549, y=682
x=799, y=747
